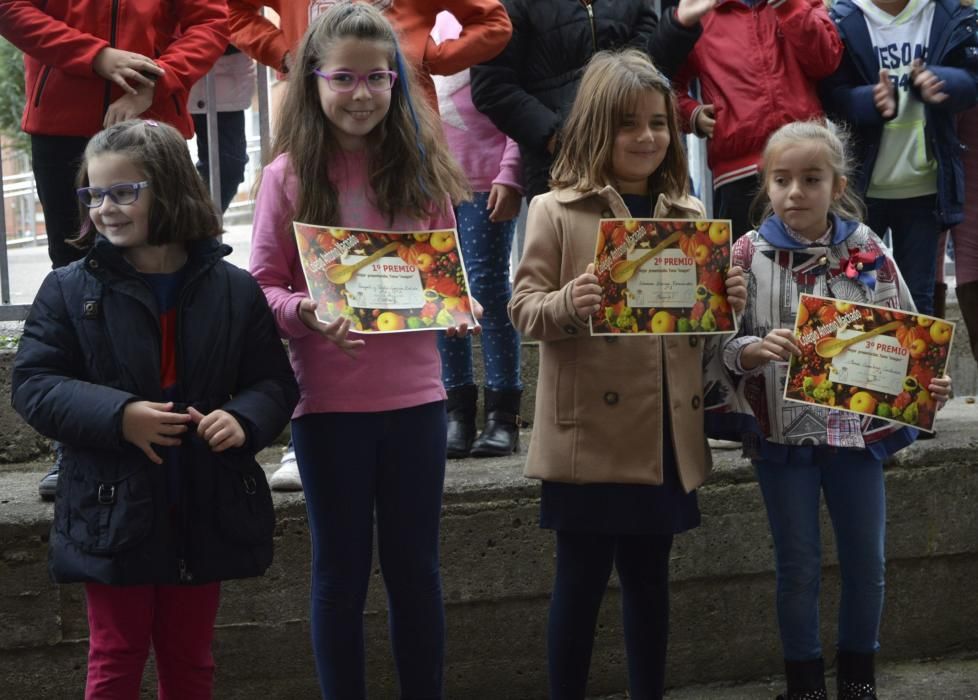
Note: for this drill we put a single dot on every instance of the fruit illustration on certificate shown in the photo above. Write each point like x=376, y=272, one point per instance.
x=868, y=359
x=662, y=276
x=385, y=281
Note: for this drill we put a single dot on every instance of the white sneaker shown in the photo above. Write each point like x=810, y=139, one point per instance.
x=287, y=477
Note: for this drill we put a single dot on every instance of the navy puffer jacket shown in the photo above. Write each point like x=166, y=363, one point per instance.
x=527, y=91
x=91, y=345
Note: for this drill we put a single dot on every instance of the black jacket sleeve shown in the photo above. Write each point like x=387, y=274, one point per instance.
x=667, y=41
x=266, y=391
x=46, y=387
x=497, y=90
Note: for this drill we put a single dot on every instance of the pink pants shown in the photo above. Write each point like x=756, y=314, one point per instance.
x=965, y=234
x=124, y=620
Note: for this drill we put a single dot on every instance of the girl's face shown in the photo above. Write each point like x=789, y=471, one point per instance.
x=125, y=225
x=802, y=187
x=641, y=143
x=352, y=115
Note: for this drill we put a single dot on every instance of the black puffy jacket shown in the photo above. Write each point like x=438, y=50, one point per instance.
x=91, y=345
x=527, y=91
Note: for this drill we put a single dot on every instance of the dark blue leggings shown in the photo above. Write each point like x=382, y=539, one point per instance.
x=355, y=466
x=584, y=564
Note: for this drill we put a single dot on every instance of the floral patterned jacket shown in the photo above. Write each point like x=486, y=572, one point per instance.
x=748, y=405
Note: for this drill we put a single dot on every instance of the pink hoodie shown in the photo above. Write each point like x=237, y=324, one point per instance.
x=486, y=155
x=393, y=371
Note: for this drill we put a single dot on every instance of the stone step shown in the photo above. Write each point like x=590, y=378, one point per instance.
x=497, y=567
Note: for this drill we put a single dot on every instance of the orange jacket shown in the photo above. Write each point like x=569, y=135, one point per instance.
x=60, y=39
x=485, y=32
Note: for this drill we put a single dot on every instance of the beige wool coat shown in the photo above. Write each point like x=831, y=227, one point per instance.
x=598, y=416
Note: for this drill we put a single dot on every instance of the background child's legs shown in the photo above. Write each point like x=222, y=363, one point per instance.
x=411, y=476
x=337, y=456
x=584, y=563
x=856, y=500
x=733, y=200
x=791, y=496
x=183, y=629
x=642, y=562
x=914, y=229
x=120, y=625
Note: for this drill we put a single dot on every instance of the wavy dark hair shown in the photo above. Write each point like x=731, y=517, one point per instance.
x=609, y=89
x=182, y=209
x=409, y=166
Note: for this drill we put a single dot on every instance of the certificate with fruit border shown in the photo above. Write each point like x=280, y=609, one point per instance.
x=385, y=281
x=868, y=359
x=662, y=276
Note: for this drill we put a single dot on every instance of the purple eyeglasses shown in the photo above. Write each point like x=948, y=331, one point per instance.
x=348, y=81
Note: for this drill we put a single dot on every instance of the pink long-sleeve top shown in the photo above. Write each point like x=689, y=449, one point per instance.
x=487, y=156
x=393, y=371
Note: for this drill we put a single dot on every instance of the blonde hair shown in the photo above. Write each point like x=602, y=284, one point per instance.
x=409, y=166
x=609, y=89
x=833, y=141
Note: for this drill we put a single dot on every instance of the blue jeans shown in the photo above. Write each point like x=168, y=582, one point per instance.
x=852, y=481
x=914, y=229
x=584, y=562
x=486, y=248
x=232, y=144
x=357, y=468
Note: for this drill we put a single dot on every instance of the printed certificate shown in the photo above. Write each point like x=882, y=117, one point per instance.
x=385, y=281
x=662, y=276
x=868, y=359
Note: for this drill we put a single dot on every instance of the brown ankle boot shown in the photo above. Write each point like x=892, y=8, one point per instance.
x=940, y=299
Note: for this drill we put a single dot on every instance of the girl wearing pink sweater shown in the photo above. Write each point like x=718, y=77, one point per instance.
x=369, y=430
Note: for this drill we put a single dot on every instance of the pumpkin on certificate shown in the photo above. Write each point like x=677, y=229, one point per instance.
x=663, y=276
x=868, y=359
x=385, y=281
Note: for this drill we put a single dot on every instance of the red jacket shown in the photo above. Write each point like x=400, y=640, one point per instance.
x=60, y=39
x=759, y=68
x=485, y=32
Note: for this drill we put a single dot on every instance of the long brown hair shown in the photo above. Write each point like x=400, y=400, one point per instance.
x=182, y=209
x=834, y=145
x=410, y=168
x=609, y=89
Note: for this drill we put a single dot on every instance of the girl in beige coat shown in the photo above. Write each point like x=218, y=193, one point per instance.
x=618, y=438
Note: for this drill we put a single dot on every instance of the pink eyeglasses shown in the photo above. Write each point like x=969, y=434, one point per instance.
x=348, y=81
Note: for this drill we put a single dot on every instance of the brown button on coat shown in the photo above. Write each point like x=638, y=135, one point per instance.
x=599, y=415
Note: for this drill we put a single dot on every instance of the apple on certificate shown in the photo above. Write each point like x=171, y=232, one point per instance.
x=867, y=359
x=385, y=281
x=663, y=276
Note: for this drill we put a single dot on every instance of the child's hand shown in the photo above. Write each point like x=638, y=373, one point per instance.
x=336, y=331
x=123, y=66
x=884, y=95
x=778, y=346
x=736, y=289
x=931, y=87
x=145, y=424
x=129, y=106
x=504, y=203
x=463, y=330
x=219, y=429
x=586, y=293
x=689, y=12
x=706, y=121
x=940, y=390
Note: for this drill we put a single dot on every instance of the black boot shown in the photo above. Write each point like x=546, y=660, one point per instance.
x=968, y=303
x=461, y=419
x=806, y=680
x=940, y=300
x=48, y=485
x=501, y=436
x=856, y=676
